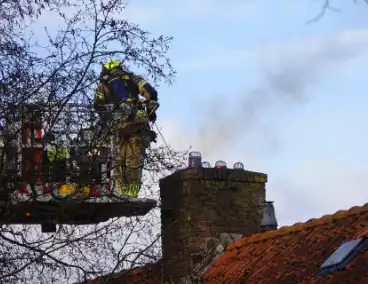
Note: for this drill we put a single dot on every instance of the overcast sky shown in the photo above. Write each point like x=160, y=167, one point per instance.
x=256, y=84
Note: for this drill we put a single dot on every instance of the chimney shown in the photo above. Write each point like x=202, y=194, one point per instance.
x=269, y=221
x=204, y=208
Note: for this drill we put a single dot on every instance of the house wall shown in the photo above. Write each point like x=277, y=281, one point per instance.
x=199, y=205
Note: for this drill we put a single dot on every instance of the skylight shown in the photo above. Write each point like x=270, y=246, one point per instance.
x=340, y=257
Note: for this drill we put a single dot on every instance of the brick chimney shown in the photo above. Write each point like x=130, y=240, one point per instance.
x=203, y=209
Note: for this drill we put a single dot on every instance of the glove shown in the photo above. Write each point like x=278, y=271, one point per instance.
x=151, y=110
x=153, y=136
x=152, y=117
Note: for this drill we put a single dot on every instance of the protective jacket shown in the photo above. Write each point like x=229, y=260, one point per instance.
x=119, y=86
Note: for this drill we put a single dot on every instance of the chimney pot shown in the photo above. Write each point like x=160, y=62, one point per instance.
x=220, y=165
x=206, y=165
x=269, y=221
x=195, y=160
x=239, y=166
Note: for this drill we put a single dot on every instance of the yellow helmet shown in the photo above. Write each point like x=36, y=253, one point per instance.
x=111, y=64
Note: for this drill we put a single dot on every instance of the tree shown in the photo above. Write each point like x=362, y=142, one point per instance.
x=58, y=70
x=327, y=5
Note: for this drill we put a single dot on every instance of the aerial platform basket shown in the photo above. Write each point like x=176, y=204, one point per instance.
x=49, y=212
x=33, y=192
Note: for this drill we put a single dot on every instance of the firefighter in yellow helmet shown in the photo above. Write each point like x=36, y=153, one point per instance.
x=122, y=88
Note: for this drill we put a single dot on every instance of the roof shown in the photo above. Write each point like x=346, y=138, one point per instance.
x=293, y=254
x=150, y=274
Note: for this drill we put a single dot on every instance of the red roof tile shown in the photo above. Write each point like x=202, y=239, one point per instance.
x=293, y=254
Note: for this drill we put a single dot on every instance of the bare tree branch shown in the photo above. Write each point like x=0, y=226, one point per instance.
x=54, y=71
x=327, y=6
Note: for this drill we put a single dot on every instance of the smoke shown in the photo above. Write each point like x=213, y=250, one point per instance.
x=287, y=71
x=316, y=180
x=291, y=68
x=226, y=124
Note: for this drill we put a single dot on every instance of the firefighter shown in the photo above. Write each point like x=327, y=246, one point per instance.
x=56, y=153
x=122, y=88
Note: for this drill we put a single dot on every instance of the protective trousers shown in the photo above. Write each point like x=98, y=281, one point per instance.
x=132, y=144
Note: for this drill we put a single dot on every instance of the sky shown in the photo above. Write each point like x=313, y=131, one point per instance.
x=257, y=84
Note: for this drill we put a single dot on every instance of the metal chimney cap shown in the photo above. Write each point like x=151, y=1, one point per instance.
x=269, y=221
x=195, y=160
x=195, y=154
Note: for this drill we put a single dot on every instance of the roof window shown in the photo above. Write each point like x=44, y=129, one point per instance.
x=341, y=257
